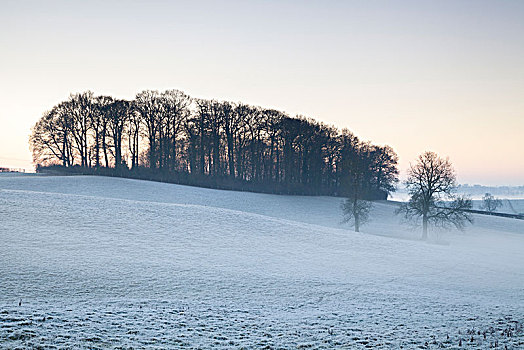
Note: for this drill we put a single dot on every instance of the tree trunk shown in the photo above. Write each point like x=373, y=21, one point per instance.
x=117, y=140
x=64, y=151
x=97, y=148
x=173, y=152
x=230, y=159
x=356, y=214
x=136, y=148
x=216, y=154
x=104, y=149
x=424, y=227
x=271, y=160
x=152, y=152
x=202, y=156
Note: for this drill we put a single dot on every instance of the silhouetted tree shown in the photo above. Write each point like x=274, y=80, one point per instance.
x=431, y=184
x=176, y=108
x=201, y=123
x=147, y=104
x=134, y=124
x=98, y=124
x=231, y=125
x=80, y=108
x=117, y=114
x=50, y=138
x=384, y=168
x=215, y=124
x=241, y=138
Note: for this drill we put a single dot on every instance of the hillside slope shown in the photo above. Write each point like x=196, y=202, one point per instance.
x=115, y=262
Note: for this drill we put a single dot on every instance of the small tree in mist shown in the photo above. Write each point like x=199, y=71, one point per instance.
x=490, y=203
x=356, y=212
x=357, y=158
x=432, y=184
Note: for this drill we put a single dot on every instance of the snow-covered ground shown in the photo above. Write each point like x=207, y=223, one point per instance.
x=117, y=263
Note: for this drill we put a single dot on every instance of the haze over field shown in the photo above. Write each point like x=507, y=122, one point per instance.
x=106, y=262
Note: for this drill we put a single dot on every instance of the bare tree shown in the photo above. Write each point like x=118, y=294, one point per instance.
x=216, y=121
x=356, y=212
x=490, y=203
x=117, y=114
x=50, y=138
x=147, y=104
x=242, y=112
x=98, y=124
x=201, y=123
x=80, y=108
x=432, y=184
x=176, y=108
x=231, y=124
x=134, y=126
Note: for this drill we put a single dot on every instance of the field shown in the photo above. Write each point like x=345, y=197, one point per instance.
x=99, y=262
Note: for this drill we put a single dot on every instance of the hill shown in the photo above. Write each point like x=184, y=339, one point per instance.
x=111, y=262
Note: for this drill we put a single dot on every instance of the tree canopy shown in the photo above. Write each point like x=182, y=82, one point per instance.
x=431, y=184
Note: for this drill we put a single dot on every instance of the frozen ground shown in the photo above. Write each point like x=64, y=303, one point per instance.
x=115, y=263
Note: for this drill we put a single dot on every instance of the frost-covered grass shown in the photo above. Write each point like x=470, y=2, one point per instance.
x=116, y=263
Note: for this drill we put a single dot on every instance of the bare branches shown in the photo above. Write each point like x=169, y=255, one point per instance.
x=431, y=183
x=356, y=212
x=215, y=140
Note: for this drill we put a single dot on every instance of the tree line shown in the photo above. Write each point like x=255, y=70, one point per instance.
x=174, y=134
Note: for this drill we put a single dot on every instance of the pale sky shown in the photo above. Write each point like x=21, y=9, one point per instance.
x=446, y=76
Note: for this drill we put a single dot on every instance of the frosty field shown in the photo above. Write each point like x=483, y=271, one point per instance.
x=117, y=263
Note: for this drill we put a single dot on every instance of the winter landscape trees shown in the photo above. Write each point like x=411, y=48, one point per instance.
x=172, y=134
x=431, y=184
x=222, y=144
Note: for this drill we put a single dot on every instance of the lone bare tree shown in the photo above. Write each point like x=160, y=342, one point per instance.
x=356, y=212
x=490, y=203
x=432, y=184
x=357, y=158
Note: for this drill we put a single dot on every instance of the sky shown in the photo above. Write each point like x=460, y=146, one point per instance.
x=444, y=76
